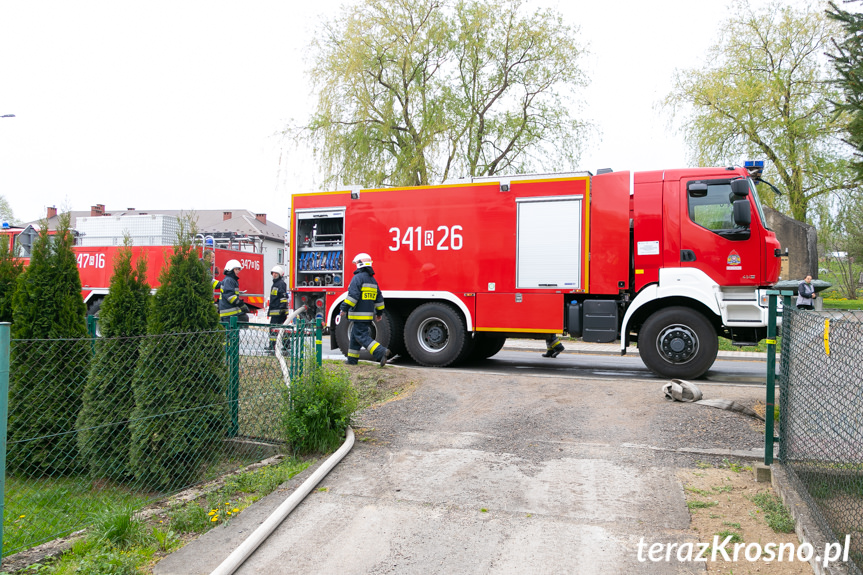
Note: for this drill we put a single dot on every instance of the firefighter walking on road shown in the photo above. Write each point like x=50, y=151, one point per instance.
x=364, y=302
x=278, y=310
x=230, y=303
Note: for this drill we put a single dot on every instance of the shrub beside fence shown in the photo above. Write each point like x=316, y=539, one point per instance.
x=821, y=417
x=176, y=410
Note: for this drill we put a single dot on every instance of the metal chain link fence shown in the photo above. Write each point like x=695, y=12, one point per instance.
x=821, y=418
x=98, y=422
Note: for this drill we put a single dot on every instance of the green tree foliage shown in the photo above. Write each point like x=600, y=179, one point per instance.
x=766, y=93
x=49, y=369
x=180, y=413
x=6, y=214
x=847, y=56
x=10, y=269
x=103, y=434
x=412, y=92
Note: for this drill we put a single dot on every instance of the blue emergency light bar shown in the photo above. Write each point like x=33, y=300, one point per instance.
x=754, y=167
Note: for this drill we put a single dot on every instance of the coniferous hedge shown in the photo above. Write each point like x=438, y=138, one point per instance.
x=103, y=433
x=180, y=414
x=10, y=269
x=50, y=358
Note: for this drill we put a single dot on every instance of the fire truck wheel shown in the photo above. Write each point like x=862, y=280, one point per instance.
x=435, y=334
x=678, y=342
x=486, y=345
x=387, y=332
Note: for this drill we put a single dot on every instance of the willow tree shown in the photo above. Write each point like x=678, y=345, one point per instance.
x=765, y=93
x=412, y=92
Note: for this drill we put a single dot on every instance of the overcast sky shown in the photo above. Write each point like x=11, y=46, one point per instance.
x=178, y=104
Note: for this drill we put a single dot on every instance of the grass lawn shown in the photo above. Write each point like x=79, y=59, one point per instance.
x=38, y=510
x=843, y=304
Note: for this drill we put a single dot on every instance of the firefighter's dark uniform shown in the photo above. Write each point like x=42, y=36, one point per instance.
x=230, y=303
x=278, y=308
x=553, y=346
x=364, y=301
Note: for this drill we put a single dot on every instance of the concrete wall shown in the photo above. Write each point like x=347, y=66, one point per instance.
x=801, y=240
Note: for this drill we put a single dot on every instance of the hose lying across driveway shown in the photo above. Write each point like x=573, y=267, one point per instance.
x=247, y=547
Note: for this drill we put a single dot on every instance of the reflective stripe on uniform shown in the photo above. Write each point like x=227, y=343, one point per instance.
x=374, y=346
x=379, y=307
x=230, y=311
x=369, y=291
x=353, y=354
x=358, y=316
x=350, y=301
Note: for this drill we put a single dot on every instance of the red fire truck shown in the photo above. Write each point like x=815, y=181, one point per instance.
x=668, y=259
x=96, y=262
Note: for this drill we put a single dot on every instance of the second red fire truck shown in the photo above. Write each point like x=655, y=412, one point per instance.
x=668, y=259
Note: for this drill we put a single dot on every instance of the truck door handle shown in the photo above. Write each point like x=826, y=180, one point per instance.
x=687, y=256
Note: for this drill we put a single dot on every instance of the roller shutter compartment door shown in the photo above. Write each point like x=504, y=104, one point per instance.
x=549, y=243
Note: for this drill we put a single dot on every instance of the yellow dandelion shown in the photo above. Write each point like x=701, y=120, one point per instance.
x=236, y=510
x=21, y=516
x=215, y=518
x=229, y=512
x=213, y=512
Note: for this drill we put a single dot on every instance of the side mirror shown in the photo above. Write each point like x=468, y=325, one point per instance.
x=742, y=213
x=697, y=189
x=740, y=188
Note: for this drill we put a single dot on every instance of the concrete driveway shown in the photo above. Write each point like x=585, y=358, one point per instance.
x=476, y=473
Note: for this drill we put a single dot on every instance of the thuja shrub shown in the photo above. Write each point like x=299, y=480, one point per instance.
x=103, y=433
x=50, y=358
x=181, y=413
x=318, y=408
x=10, y=269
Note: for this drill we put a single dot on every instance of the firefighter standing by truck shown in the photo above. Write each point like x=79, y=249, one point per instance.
x=230, y=303
x=278, y=310
x=364, y=302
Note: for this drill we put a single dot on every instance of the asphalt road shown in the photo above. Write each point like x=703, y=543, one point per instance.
x=609, y=367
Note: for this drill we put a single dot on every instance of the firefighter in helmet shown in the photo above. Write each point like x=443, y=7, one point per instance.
x=230, y=303
x=364, y=302
x=278, y=310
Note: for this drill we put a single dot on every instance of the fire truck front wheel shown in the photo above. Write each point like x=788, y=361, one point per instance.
x=678, y=342
x=435, y=334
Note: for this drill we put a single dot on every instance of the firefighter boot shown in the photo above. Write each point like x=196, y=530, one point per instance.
x=384, y=356
x=554, y=350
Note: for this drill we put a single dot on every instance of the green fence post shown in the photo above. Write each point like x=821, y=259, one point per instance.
x=5, y=344
x=319, y=341
x=770, y=400
x=91, y=329
x=783, y=380
x=234, y=376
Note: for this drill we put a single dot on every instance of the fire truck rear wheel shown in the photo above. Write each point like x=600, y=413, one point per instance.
x=435, y=334
x=387, y=332
x=678, y=342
